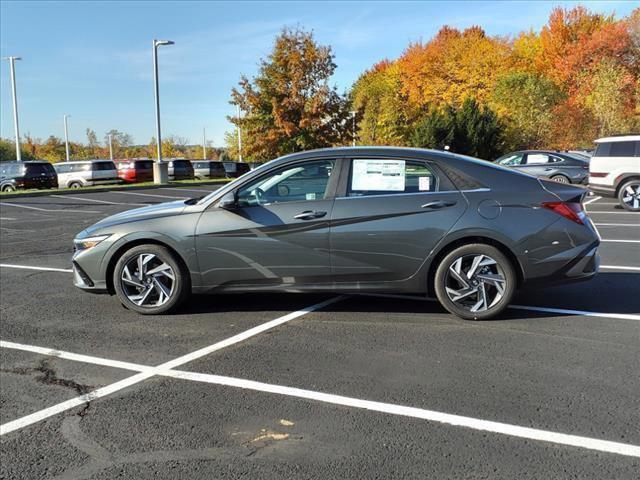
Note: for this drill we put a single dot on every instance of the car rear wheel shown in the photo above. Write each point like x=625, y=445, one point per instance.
x=150, y=280
x=475, y=282
x=629, y=196
x=560, y=179
x=75, y=185
x=8, y=188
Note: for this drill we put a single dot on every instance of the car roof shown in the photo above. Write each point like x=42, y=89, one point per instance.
x=619, y=138
x=93, y=160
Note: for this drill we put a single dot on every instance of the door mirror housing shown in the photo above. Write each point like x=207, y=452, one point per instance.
x=228, y=201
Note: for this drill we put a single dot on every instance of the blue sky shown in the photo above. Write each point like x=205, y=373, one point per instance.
x=92, y=60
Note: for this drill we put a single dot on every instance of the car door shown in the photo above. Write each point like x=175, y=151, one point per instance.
x=389, y=215
x=276, y=232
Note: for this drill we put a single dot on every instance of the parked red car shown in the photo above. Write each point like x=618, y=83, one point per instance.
x=135, y=170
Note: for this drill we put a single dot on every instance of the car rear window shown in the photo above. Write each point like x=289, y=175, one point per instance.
x=181, y=164
x=144, y=165
x=104, y=166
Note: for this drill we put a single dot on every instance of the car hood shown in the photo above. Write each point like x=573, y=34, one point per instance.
x=144, y=213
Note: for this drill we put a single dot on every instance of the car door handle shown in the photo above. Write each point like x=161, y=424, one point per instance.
x=310, y=214
x=438, y=204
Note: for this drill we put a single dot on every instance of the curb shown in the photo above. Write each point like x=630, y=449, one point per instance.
x=111, y=188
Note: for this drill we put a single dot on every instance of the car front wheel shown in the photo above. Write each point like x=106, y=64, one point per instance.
x=629, y=196
x=150, y=280
x=475, y=282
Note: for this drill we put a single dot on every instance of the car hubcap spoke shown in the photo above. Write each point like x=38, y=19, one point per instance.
x=475, y=282
x=631, y=196
x=147, y=281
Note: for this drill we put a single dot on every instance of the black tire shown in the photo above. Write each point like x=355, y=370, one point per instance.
x=502, y=266
x=8, y=188
x=634, y=185
x=181, y=282
x=75, y=185
x=560, y=179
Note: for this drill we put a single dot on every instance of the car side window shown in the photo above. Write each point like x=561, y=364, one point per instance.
x=295, y=183
x=537, y=158
x=511, y=160
x=389, y=177
x=622, y=149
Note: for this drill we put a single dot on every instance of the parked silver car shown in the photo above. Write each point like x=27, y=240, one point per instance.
x=349, y=220
x=204, y=169
x=86, y=173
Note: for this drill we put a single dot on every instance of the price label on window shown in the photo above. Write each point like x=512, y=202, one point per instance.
x=378, y=175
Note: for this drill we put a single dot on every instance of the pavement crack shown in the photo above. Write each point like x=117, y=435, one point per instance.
x=48, y=376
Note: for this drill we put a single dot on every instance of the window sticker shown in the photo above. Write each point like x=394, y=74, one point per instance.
x=424, y=184
x=310, y=196
x=378, y=175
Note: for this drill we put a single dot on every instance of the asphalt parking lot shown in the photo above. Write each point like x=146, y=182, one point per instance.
x=310, y=386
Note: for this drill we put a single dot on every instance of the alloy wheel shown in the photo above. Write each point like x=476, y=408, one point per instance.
x=631, y=195
x=560, y=179
x=148, y=281
x=475, y=282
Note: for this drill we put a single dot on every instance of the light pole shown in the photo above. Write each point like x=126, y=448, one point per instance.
x=12, y=68
x=239, y=133
x=353, y=127
x=204, y=144
x=66, y=136
x=111, y=147
x=160, y=171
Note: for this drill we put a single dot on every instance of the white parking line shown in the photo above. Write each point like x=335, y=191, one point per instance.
x=178, y=189
x=150, y=195
x=615, y=267
x=101, y=392
x=591, y=200
x=47, y=209
x=604, y=212
x=617, y=224
x=45, y=269
x=618, y=240
x=621, y=316
x=96, y=200
x=389, y=408
x=6, y=218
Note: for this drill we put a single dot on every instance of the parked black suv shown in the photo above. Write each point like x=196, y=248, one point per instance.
x=27, y=175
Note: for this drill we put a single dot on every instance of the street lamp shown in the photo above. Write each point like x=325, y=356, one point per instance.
x=353, y=126
x=66, y=136
x=239, y=133
x=204, y=144
x=160, y=171
x=12, y=68
x=111, y=146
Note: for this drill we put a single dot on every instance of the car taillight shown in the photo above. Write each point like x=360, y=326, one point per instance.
x=570, y=210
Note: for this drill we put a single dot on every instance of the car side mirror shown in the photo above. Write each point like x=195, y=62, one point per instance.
x=228, y=201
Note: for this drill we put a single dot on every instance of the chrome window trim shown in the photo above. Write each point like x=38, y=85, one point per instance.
x=415, y=193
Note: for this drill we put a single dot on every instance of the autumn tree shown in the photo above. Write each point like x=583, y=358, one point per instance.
x=452, y=66
x=381, y=107
x=527, y=103
x=289, y=105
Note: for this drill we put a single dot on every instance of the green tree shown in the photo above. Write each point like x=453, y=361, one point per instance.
x=469, y=130
x=435, y=130
x=8, y=151
x=289, y=106
x=527, y=102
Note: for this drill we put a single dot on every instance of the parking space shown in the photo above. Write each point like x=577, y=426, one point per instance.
x=310, y=386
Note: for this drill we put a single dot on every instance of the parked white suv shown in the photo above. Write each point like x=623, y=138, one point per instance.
x=86, y=173
x=614, y=170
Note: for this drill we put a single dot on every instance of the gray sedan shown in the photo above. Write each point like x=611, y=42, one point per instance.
x=560, y=167
x=349, y=220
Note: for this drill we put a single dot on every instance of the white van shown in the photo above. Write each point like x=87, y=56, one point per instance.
x=86, y=173
x=614, y=170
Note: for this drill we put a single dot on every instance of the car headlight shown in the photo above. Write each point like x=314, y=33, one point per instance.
x=89, y=242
